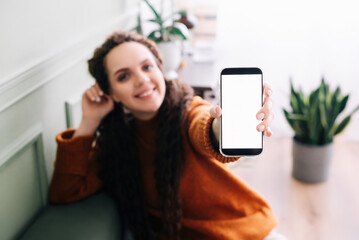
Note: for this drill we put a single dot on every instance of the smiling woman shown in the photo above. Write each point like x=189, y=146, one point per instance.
x=156, y=152
x=136, y=82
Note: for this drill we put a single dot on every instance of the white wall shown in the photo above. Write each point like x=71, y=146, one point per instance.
x=44, y=46
x=303, y=39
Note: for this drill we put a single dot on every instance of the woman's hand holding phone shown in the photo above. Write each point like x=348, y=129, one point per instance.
x=265, y=114
x=95, y=106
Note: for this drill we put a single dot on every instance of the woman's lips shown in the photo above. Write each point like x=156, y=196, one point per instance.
x=145, y=93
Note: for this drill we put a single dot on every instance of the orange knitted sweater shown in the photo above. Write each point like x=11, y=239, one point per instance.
x=215, y=203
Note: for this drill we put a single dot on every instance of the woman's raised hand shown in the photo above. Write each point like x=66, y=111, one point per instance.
x=95, y=106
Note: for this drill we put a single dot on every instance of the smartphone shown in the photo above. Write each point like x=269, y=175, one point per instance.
x=241, y=97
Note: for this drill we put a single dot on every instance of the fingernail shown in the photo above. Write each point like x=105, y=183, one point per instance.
x=214, y=111
x=269, y=132
x=101, y=93
x=98, y=99
x=269, y=92
x=260, y=116
x=93, y=99
x=261, y=128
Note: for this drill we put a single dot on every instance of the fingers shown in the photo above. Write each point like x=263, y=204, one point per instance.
x=267, y=117
x=267, y=90
x=264, y=127
x=268, y=132
x=94, y=93
x=266, y=108
x=216, y=112
x=265, y=114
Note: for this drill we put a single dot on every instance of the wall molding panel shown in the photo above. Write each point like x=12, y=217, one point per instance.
x=22, y=166
x=29, y=80
x=21, y=142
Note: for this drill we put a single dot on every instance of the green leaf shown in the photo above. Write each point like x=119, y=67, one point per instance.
x=322, y=105
x=294, y=103
x=328, y=107
x=339, y=107
x=313, y=97
x=338, y=97
x=294, y=122
x=297, y=100
x=138, y=27
x=324, y=87
x=323, y=114
x=343, y=103
x=290, y=121
x=342, y=125
x=297, y=117
x=158, y=16
x=301, y=102
x=158, y=21
x=298, y=130
x=332, y=107
x=177, y=32
x=300, y=113
x=182, y=13
x=155, y=36
x=314, y=121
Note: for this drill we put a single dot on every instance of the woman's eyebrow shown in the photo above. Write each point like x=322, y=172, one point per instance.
x=120, y=70
x=145, y=60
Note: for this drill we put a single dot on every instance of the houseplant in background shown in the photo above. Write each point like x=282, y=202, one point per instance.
x=313, y=119
x=167, y=34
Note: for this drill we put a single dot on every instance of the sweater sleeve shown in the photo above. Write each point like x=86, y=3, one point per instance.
x=75, y=175
x=200, y=124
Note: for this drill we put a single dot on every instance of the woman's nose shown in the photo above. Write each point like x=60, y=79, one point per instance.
x=142, y=78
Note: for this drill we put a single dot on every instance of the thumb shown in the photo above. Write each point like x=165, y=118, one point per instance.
x=215, y=112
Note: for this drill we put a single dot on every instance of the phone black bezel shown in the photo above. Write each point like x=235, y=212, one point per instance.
x=239, y=151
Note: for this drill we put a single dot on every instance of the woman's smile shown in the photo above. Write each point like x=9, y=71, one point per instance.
x=146, y=94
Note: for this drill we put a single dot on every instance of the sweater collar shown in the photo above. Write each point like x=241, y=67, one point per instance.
x=146, y=125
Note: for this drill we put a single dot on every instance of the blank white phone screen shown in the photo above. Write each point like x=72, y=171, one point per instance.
x=241, y=100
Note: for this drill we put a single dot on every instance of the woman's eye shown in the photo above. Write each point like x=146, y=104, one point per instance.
x=147, y=67
x=123, y=77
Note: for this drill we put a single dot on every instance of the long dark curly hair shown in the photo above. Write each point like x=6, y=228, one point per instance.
x=120, y=166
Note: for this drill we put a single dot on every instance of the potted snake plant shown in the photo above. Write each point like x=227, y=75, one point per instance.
x=313, y=118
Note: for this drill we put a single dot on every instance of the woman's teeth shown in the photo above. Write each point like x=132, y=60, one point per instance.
x=145, y=94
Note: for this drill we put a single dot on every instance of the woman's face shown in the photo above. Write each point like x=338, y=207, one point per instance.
x=135, y=79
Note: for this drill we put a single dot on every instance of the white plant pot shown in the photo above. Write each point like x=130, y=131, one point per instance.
x=171, y=54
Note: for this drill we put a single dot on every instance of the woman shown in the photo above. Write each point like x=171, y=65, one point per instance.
x=155, y=152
